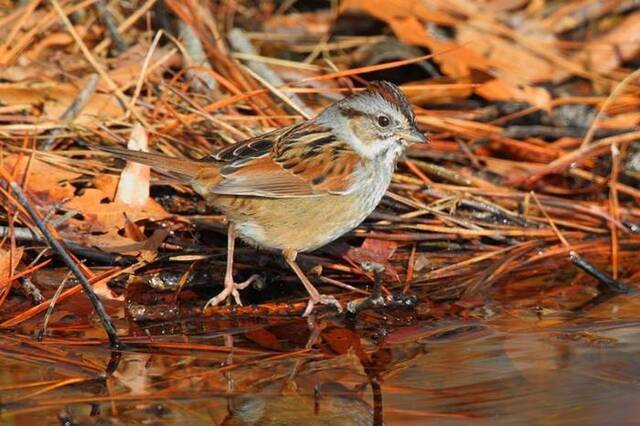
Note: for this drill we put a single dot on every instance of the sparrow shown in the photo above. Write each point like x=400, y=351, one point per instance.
x=297, y=188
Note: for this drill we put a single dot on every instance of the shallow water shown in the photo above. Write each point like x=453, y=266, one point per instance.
x=510, y=369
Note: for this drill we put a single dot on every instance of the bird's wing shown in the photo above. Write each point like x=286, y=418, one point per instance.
x=298, y=161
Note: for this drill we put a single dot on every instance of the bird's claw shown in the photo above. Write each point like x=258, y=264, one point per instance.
x=322, y=300
x=231, y=289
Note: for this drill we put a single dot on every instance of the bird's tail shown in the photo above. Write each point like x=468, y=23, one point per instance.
x=192, y=172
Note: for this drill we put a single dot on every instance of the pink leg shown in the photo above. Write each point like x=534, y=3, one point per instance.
x=231, y=288
x=314, y=296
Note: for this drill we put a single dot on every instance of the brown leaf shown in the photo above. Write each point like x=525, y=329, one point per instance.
x=47, y=183
x=7, y=262
x=56, y=98
x=102, y=220
x=479, y=44
x=620, y=44
x=53, y=39
x=131, y=230
x=397, y=9
x=373, y=250
x=505, y=57
x=341, y=340
x=501, y=90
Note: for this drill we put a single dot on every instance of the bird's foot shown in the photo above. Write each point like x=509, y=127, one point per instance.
x=231, y=289
x=321, y=299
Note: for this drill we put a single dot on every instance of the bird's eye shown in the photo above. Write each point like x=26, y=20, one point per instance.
x=383, y=121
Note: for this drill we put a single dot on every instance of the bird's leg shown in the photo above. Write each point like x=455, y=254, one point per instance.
x=231, y=288
x=314, y=296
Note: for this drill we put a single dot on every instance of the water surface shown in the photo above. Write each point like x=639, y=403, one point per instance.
x=512, y=368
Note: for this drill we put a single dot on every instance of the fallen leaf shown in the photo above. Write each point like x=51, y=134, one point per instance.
x=501, y=90
x=622, y=43
x=506, y=57
x=479, y=44
x=55, y=98
x=7, y=262
x=98, y=222
x=374, y=250
x=47, y=183
x=102, y=220
x=54, y=39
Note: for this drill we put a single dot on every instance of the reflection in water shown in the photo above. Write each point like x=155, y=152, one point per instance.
x=330, y=404
x=291, y=372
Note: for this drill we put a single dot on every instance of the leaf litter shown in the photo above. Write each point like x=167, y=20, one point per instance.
x=514, y=229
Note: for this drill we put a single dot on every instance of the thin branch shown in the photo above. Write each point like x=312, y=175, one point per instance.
x=59, y=249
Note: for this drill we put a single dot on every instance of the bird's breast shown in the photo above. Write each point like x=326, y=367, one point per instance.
x=303, y=224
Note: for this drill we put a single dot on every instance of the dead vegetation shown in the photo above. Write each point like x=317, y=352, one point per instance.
x=526, y=201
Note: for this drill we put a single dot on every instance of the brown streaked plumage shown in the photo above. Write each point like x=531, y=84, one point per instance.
x=298, y=188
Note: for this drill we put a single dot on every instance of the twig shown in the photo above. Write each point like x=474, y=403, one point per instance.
x=52, y=305
x=575, y=156
x=140, y=11
x=57, y=247
x=240, y=42
x=107, y=19
x=302, y=110
x=21, y=234
x=89, y=57
x=26, y=234
x=194, y=57
x=614, y=94
x=143, y=71
x=340, y=284
x=608, y=284
x=377, y=300
x=614, y=207
x=8, y=41
x=522, y=132
x=74, y=109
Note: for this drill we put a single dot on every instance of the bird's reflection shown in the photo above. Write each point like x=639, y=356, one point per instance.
x=302, y=396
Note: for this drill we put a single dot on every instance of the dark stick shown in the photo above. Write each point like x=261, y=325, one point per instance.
x=107, y=19
x=608, y=284
x=57, y=247
x=376, y=391
x=376, y=299
x=74, y=109
x=112, y=366
x=522, y=132
x=26, y=234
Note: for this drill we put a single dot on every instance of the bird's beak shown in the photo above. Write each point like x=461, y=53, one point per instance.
x=413, y=136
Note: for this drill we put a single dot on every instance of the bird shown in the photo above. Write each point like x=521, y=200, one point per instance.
x=297, y=188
